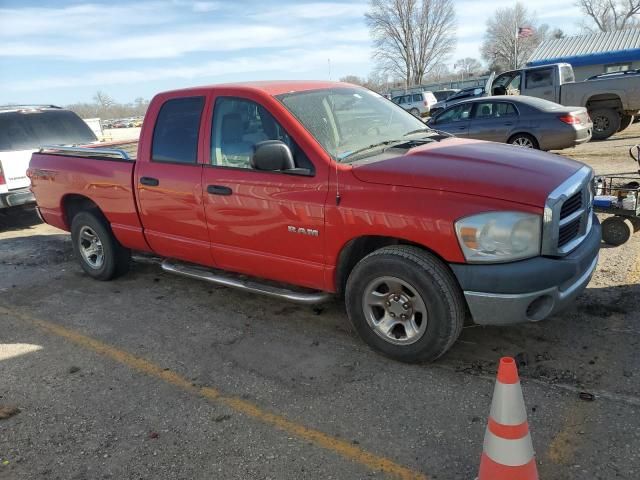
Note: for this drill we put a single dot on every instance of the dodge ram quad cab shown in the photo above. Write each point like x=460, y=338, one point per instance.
x=302, y=190
x=612, y=102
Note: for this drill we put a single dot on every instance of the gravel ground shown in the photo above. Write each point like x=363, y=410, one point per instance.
x=87, y=413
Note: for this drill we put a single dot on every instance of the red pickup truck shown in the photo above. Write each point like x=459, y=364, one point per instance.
x=302, y=190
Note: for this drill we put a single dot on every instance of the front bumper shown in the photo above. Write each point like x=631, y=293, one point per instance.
x=529, y=290
x=14, y=198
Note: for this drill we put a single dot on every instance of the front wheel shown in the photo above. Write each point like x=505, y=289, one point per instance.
x=101, y=255
x=405, y=303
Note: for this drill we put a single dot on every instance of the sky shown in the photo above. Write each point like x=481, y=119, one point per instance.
x=63, y=51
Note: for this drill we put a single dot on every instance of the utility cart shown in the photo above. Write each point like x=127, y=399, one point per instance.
x=617, y=196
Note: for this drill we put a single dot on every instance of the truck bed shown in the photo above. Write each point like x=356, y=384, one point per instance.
x=626, y=88
x=64, y=177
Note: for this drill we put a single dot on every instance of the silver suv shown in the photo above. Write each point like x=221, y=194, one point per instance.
x=418, y=104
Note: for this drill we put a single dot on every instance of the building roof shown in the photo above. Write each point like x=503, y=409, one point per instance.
x=592, y=49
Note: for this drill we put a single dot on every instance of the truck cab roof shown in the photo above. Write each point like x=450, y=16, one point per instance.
x=272, y=88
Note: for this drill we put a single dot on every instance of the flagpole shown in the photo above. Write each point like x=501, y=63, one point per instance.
x=515, y=48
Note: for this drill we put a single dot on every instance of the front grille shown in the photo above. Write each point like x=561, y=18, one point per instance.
x=571, y=205
x=568, y=232
x=567, y=215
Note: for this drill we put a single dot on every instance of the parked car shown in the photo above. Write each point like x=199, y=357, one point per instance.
x=522, y=121
x=611, y=100
x=23, y=129
x=418, y=104
x=121, y=124
x=444, y=94
x=328, y=188
x=459, y=96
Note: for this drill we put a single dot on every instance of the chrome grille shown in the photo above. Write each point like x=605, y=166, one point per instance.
x=567, y=214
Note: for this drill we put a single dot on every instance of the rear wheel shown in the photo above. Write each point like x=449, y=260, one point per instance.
x=415, y=112
x=616, y=230
x=101, y=255
x=523, y=140
x=625, y=121
x=405, y=303
x=606, y=122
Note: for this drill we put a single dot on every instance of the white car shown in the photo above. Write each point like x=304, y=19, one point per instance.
x=23, y=129
x=418, y=104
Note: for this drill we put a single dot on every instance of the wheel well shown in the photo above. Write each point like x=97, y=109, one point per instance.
x=358, y=248
x=604, y=100
x=73, y=204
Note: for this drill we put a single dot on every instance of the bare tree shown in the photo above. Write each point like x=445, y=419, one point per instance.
x=411, y=36
x=468, y=66
x=502, y=49
x=103, y=100
x=610, y=15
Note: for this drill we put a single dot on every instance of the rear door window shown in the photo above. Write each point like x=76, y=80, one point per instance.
x=540, y=78
x=417, y=97
x=175, y=137
x=31, y=129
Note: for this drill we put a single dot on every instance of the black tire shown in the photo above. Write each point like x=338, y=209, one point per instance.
x=430, y=279
x=625, y=121
x=606, y=122
x=415, y=112
x=635, y=222
x=616, y=230
x=116, y=259
x=520, y=139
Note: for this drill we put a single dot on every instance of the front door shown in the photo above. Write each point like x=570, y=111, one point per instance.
x=265, y=224
x=168, y=180
x=455, y=120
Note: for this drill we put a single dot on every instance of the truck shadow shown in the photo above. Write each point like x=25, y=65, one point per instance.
x=18, y=218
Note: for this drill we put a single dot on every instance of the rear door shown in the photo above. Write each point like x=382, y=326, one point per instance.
x=168, y=180
x=492, y=121
x=265, y=224
x=541, y=83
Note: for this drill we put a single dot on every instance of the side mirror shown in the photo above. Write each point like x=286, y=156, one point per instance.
x=272, y=155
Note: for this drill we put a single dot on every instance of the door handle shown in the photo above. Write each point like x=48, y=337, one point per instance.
x=508, y=124
x=219, y=190
x=149, y=181
x=462, y=128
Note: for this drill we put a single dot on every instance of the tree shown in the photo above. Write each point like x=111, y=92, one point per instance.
x=410, y=36
x=438, y=73
x=103, y=100
x=610, y=15
x=501, y=48
x=468, y=66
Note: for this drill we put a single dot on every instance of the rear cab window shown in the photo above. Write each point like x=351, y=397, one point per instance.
x=30, y=129
x=540, y=78
x=175, y=136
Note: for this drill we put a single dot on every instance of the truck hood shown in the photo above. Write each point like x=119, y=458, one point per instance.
x=472, y=167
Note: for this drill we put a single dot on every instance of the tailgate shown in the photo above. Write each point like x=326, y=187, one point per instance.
x=14, y=168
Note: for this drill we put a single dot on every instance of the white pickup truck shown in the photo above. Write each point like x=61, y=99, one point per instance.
x=23, y=129
x=612, y=101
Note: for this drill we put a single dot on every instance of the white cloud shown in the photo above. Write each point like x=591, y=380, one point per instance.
x=288, y=64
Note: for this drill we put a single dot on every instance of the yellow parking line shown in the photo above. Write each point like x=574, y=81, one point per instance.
x=342, y=448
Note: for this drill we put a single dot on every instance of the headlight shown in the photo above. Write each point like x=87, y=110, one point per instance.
x=499, y=236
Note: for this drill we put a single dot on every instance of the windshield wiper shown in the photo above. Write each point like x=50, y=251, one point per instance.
x=370, y=147
x=419, y=130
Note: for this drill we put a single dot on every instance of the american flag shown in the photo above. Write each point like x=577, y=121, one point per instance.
x=524, y=32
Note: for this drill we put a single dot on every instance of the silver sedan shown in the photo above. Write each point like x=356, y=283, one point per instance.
x=523, y=121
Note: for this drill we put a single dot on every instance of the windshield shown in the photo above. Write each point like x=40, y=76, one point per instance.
x=348, y=120
x=29, y=130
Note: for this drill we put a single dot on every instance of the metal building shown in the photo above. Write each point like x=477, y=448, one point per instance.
x=592, y=54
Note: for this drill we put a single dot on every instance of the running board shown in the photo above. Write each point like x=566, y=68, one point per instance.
x=245, y=283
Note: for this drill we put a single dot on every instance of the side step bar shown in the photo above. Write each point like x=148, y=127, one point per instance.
x=244, y=283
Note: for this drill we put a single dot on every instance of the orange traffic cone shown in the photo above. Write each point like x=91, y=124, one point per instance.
x=508, y=452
